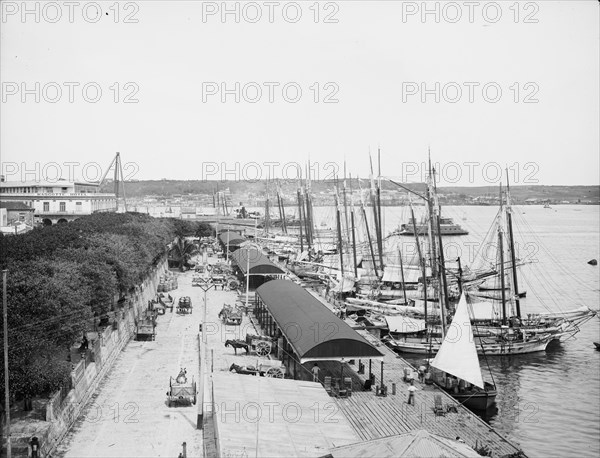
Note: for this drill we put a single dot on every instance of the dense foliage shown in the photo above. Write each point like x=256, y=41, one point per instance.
x=61, y=277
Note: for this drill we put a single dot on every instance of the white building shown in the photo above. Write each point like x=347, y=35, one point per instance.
x=58, y=201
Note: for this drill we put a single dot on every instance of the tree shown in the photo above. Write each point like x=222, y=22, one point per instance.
x=182, y=252
x=60, y=276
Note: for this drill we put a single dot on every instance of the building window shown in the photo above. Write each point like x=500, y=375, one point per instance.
x=63, y=206
x=78, y=207
x=46, y=206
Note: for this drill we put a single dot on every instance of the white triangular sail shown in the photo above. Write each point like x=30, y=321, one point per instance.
x=457, y=355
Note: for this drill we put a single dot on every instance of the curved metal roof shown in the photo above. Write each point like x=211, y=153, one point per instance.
x=259, y=263
x=234, y=238
x=313, y=331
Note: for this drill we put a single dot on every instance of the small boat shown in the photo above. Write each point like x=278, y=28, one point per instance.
x=593, y=262
x=458, y=358
x=597, y=344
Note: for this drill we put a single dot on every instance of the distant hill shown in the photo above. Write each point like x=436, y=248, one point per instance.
x=323, y=191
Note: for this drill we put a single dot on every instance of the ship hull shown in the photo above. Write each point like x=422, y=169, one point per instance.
x=489, y=347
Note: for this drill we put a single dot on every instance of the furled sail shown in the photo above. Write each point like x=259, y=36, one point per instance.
x=457, y=355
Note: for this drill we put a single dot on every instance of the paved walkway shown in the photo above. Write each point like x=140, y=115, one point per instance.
x=129, y=415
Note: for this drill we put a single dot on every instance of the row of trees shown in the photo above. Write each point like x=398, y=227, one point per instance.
x=62, y=278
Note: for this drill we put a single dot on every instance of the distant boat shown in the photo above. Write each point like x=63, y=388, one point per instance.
x=547, y=206
x=447, y=227
x=597, y=344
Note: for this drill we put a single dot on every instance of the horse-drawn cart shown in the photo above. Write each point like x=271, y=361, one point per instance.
x=262, y=370
x=166, y=300
x=180, y=391
x=145, y=328
x=261, y=345
x=230, y=315
x=184, y=305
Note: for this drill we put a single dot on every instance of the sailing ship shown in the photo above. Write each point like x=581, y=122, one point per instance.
x=457, y=357
x=447, y=227
x=505, y=331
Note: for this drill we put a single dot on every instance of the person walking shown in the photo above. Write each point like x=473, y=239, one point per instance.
x=315, y=371
x=411, y=393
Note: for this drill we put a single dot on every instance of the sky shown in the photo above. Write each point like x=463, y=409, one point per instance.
x=184, y=91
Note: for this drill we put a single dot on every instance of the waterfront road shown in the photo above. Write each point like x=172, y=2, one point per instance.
x=128, y=416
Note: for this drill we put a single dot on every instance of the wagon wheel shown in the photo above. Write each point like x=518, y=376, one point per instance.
x=274, y=372
x=263, y=348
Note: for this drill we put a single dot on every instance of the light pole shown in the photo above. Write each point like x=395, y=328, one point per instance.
x=6, y=389
x=206, y=284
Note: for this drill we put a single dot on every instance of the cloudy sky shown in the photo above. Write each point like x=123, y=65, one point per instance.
x=187, y=90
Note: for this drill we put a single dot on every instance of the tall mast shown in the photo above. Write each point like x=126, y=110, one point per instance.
x=306, y=217
x=402, y=274
x=442, y=266
x=364, y=213
x=346, y=205
x=267, y=210
x=339, y=231
x=501, y=252
x=285, y=230
x=513, y=259
x=300, y=219
x=280, y=208
x=307, y=224
x=373, y=195
x=431, y=224
x=379, y=220
x=421, y=259
x=353, y=230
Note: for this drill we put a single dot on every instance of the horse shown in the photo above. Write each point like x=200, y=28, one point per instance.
x=237, y=344
x=245, y=370
x=225, y=311
x=182, y=378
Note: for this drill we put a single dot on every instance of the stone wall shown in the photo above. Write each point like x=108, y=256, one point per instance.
x=63, y=410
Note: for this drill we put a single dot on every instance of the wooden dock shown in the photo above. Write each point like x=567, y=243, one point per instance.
x=374, y=417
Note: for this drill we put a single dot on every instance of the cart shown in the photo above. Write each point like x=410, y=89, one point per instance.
x=146, y=326
x=230, y=315
x=184, y=306
x=166, y=300
x=262, y=370
x=180, y=390
x=261, y=345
